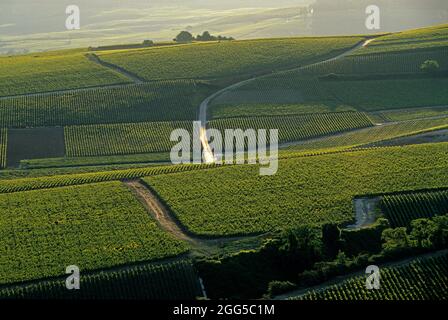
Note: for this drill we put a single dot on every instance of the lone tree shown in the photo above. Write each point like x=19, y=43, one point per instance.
x=148, y=43
x=430, y=66
x=184, y=36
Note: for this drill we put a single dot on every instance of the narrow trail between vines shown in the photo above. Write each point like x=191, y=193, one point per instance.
x=170, y=224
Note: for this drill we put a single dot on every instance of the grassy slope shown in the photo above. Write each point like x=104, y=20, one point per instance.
x=93, y=226
x=237, y=200
x=59, y=70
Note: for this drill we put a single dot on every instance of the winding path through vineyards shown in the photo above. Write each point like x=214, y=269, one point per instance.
x=170, y=224
x=208, y=155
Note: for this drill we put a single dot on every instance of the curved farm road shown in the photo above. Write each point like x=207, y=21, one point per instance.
x=167, y=222
x=207, y=152
x=94, y=58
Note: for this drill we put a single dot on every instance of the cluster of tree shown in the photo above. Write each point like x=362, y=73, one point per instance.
x=310, y=255
x=185, y=36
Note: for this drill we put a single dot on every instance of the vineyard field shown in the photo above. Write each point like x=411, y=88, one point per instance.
x=371, y=95
x=421, y=279
x=168, y=281
x=159, y=101
x=306, y=190
x=53, y=178
x=418, y=39
x=415, y=113
x=373, y=134
x=45, y=231
x=300, y=127
x=75, y=162
x=227, y=58
x=256, y=109
x=52, y=71
x=385, y=63
x=401, y=209
x=116, y=139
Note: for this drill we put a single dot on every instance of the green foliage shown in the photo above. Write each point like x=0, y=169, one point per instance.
x=45, y=231
x=237, y=200
x=184, y=36
x=158, y=101
x=365, y=240
x=430, y=66
x=279, y=287
x=428, y=276
x=227, y=58
x=168, y=281
x=401, y=209
x=395, y=240
x=58, y=70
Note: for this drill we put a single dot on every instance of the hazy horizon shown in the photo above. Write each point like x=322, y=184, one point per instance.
x=27, y=25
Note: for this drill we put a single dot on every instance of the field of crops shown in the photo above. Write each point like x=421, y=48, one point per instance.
x=158, y=101
x=418, y=39
x=224, y=59
x=422, y=279
x=169, y=281
x=3, y=144
x=45, y=231
x=53, y=178
x=414, y=113
x=387, y=63
x=259, y=110
x=75, y=162
x=373, y=134
x=300, y=127
x=372, y=95
x=116, y=139
x=401, y=209
x=237, y=200
x=43, y=72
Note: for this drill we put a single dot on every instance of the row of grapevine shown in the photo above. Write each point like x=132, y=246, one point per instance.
x=298, y=127
x=133, y=138
x=55, y=181
x=120, y=139
x=408, y=62
x=168, y=281
x=401, y=209
x=421, y=279
x=157, y=101
x=3, y=146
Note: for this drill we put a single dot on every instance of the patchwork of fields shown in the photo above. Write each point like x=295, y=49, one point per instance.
x=75, y=134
